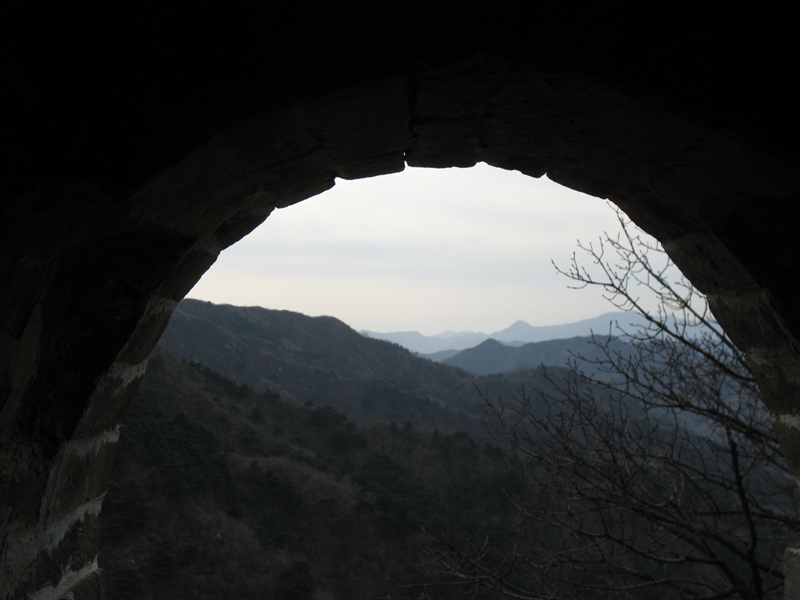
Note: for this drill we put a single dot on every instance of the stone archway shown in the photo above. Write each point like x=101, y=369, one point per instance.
x=101, y=238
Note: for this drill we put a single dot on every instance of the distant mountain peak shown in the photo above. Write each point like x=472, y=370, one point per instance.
x=520, y=332
x=491, y=342
x=520, y=323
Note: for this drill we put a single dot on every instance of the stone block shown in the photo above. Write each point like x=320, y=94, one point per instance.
x=82, y=475
x=46, y=563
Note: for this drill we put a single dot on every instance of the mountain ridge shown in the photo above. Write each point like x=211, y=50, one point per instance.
x=518, y=333
x=493, y=357
x=323, y=360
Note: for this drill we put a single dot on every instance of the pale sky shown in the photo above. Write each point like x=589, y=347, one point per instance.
x=426, y=249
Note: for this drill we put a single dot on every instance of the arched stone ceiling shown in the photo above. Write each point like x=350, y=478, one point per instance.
x=143, y=149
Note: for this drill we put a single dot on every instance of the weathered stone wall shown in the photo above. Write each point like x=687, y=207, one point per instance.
x=128, y=181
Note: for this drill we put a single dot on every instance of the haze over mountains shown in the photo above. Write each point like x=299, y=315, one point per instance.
x=321, y=359
x=324, y=361
x=265, y=349
x=287, y=351
x=517, y=334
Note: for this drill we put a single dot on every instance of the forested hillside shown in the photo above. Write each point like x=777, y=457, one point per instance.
x=222, y=491
x=310, y=462
x=324, y=360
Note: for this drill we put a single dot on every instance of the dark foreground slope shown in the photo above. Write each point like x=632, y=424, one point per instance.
x=222, y=491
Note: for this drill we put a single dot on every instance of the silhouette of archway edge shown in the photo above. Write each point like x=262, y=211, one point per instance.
x=97, y=263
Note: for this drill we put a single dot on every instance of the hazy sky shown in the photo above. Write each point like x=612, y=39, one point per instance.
x=426, y=249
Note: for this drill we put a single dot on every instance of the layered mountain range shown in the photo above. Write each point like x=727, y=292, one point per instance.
x=448, y=343
x=322, y=360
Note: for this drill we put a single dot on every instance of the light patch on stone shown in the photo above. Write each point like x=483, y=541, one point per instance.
x=792, y=421
x=127, y=373
x=68, y=580
x=22, y=548
x=81, y=447
x=158, y=306
x=91, y=445
x=50, y=537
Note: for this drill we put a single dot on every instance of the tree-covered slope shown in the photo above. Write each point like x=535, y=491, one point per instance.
x=222, y=491
x=323, y=360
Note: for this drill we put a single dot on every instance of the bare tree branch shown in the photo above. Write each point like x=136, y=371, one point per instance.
x=651, y=467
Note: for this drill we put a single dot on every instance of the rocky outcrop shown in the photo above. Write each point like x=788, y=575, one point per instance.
x=140, y=150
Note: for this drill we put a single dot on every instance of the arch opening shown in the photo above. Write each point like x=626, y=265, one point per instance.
x=332, y=224
x=426, y=249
